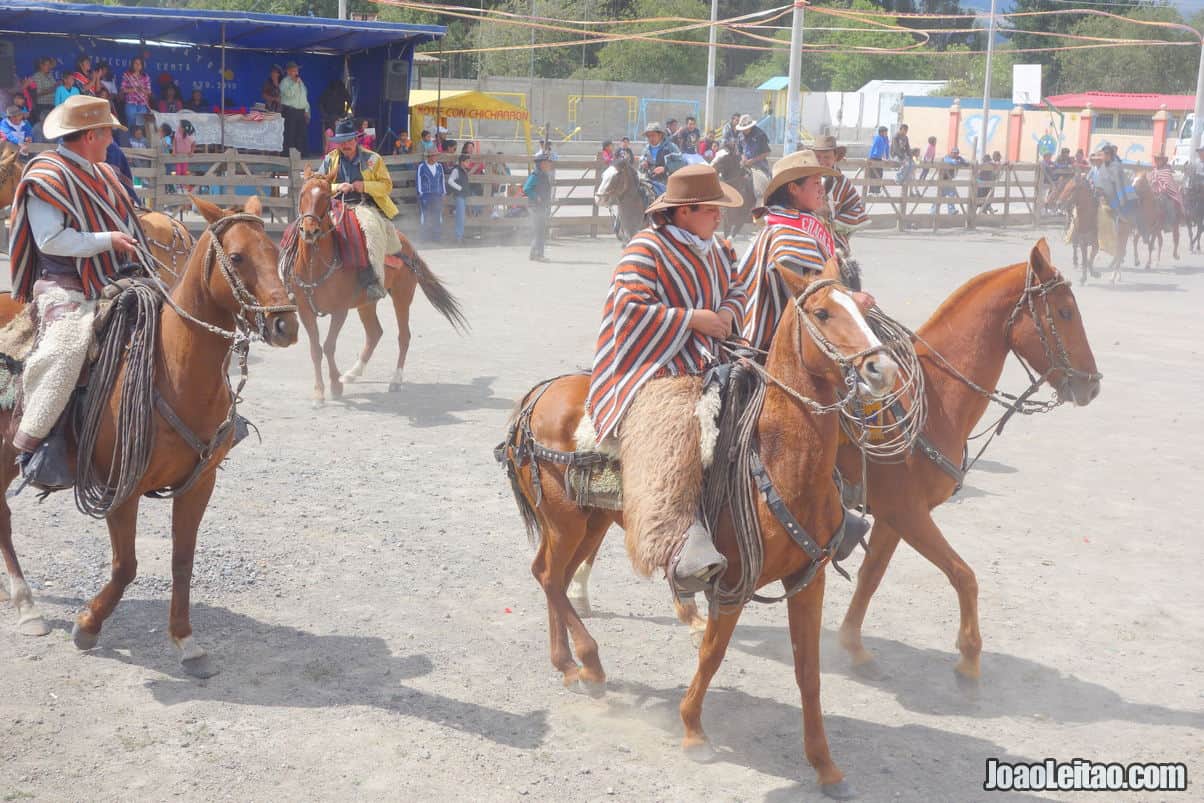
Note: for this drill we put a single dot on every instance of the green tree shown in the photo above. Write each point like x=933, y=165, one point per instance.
x=1128, y=69
x=965, y=74
x=637, y=60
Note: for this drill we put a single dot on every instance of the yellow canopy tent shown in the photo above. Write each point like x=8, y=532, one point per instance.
x=464, y=103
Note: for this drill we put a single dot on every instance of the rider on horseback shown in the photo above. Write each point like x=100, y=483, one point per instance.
x=673, y=297
x=1167, y=190
x=754, y=145
x=657, y=162
x=361, y=182
x=1111, y=184
x=845, y=211
x=73, y=231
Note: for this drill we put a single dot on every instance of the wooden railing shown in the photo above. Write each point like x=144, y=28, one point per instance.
x=497, y=209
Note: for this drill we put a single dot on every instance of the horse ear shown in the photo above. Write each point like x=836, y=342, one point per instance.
x=308, y=173
x=211, y=212
x=795, y=282
x=831, y=270
x=1039, y=258
x=253, y=206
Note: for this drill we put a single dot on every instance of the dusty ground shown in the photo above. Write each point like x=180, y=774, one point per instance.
x=363, y=583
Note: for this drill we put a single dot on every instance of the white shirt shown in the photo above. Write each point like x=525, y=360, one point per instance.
x=50, y=227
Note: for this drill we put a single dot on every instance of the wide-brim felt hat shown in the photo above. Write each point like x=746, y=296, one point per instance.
x=654, y=128
x=828, y=143
x=344, y=130
x=696, y=184
x=79, y=113
x=799, y=164
x=745, y=122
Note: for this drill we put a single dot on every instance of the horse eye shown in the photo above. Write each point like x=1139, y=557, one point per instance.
x=821, y=314
x=1066, y=313
x=236, y=259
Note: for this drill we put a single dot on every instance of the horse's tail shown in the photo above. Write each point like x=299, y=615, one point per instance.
x=510, y=454
x=437, y=293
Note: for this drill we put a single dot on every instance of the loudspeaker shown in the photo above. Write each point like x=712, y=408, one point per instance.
x=397, y=81
x=8, y=67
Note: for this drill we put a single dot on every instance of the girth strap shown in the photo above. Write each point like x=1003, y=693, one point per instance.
x=818, y=555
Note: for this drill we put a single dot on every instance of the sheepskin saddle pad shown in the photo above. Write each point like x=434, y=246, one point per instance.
x=600, y=485
x=17, y=340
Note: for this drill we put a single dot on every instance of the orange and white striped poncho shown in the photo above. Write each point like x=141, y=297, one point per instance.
x=848, y=210
x=661, y=278
x=91, y=204
x=791, y=240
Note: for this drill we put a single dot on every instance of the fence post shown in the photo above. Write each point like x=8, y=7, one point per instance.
x=972, y=195
x=598, y=169
x=294, y=182
x=1037, y=194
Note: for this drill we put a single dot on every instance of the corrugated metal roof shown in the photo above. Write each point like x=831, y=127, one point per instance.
x=1124, y=101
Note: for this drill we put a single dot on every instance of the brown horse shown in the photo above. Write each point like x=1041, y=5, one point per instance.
x=727, y=163
x=619, y=190
x=10, y=175
x=798, y=448
x=229, y=289
x=1076, y=197
x=1026, y=309
x=322, y=286
x=1153, y=218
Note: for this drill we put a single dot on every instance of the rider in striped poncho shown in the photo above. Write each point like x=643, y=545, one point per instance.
x=845, y=208
x=674, y=296
x=73, y=226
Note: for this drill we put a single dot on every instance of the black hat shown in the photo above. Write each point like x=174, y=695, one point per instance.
x=344, y=130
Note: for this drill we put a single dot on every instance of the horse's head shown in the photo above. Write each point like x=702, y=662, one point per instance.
x=618, y=180
x=313, y=207
x=840, y=339
x=1068, y=194
x=1046, y=331
x=246, y=283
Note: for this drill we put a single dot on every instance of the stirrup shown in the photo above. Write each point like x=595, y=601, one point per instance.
x=697, y=565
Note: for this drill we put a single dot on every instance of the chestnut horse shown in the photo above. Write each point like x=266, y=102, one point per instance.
x=323, y=286
x=1077, y=198
x=228, y=290
x=1026, y=309
x=619, y=190
x=797, y=447
x=1193, y=203
x=1153, y=218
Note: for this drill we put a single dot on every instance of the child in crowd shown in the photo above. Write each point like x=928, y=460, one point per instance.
x=367, y=138
x=138, y=138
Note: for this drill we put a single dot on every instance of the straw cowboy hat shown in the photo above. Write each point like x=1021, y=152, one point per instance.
x=799, y=164
x=79, y=113
x=745, y=122
x=828, y=143
x=696, y=184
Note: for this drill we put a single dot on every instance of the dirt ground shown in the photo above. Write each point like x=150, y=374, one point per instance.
x=362, y=582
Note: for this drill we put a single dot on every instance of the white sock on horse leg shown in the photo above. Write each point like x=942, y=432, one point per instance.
x=353, y=373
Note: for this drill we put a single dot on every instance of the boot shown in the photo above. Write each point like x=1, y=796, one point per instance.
x=697, y=564
x=371, y=285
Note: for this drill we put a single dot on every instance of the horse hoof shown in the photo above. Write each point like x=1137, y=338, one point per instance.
x=394, y=387
x=838, y=791
x=33, y=626
x=870, y=670
x=581, y=606
x=701, y=753
x=199, y=667
x=318, y=404
x=348, y=379
x=588, y=688
x=965, y=683
x=82, y=639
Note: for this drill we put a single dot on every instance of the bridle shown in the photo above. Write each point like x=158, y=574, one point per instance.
x=1047, y=331
x=288, y=257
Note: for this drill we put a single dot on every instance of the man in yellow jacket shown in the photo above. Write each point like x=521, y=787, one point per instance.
x=362, y=182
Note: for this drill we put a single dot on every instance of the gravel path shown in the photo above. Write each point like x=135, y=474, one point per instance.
x=362, y=581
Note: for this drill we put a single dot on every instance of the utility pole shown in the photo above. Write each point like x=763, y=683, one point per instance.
x=1195, y=128
x=794, y=111
x=986, y=89
x=708, y=111
x=342, y=9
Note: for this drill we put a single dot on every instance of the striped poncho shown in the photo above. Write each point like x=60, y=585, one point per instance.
x=791, y=240
x=91, y=203
x=1162, y=182
x=662, y=277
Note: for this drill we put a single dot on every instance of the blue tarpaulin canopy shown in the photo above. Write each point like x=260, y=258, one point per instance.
x=224, y=54
x=244, y=30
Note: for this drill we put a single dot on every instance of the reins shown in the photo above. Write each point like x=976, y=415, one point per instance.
x=135, y=445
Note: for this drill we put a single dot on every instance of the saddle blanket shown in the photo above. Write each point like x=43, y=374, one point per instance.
x=363, y=237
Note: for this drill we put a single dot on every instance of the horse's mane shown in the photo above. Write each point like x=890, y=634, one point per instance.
x=957, y=301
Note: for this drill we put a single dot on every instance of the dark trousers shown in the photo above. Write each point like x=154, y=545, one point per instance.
x=294, y=129
x=539, y=224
